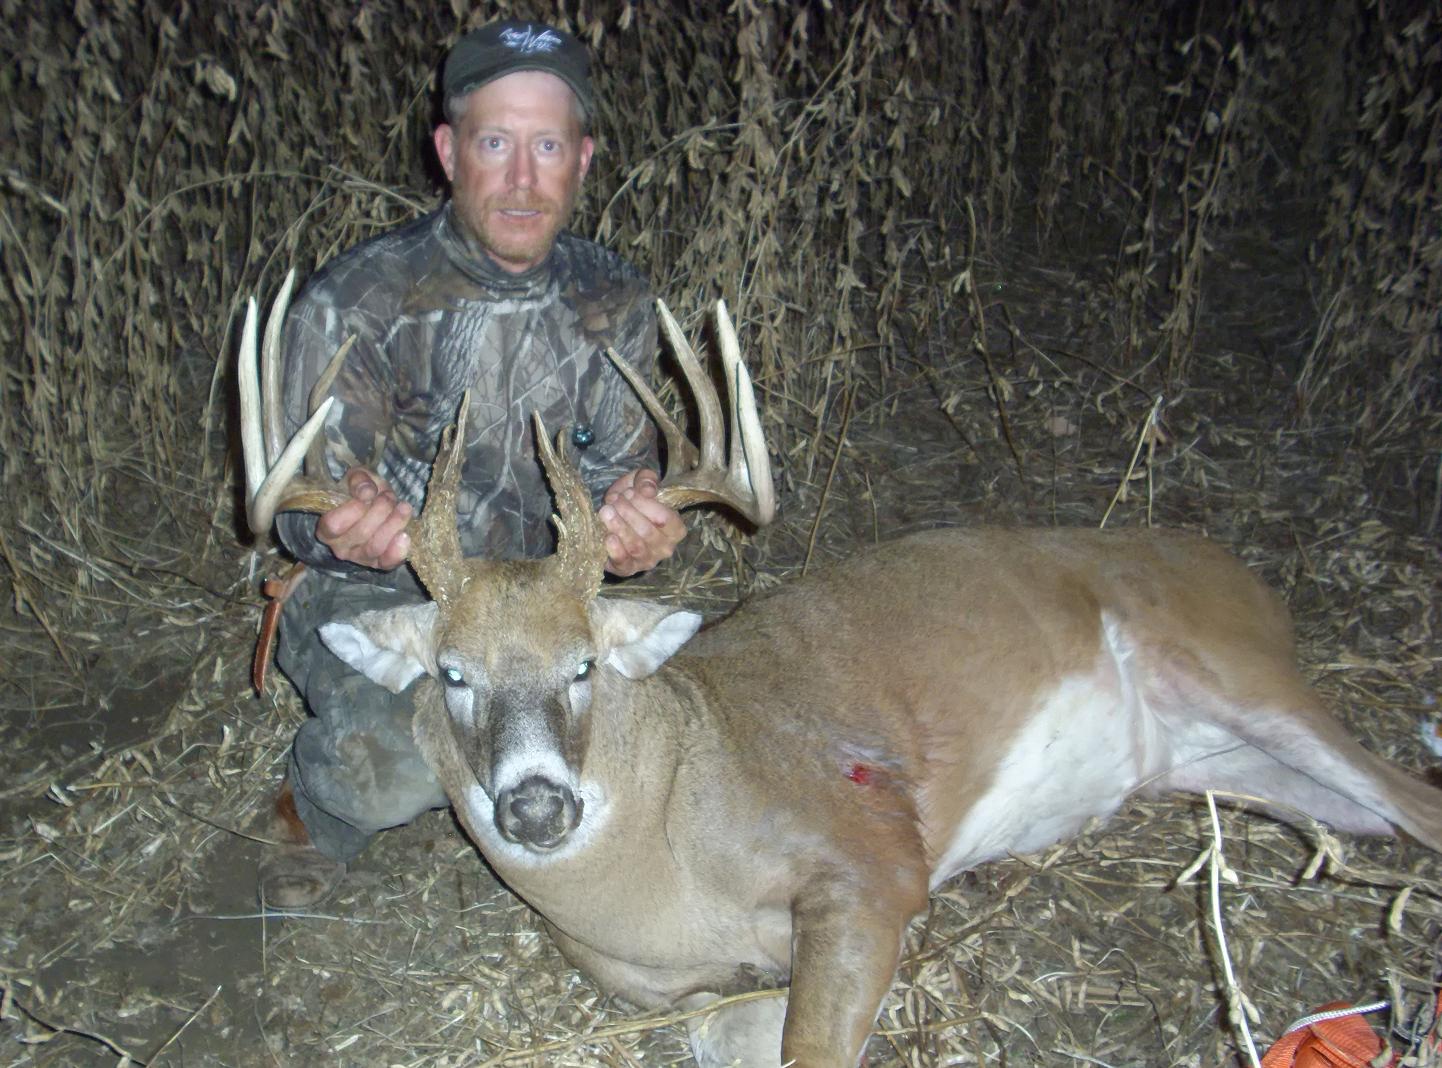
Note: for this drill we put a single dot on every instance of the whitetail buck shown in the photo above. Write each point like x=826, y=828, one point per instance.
x=779, y=792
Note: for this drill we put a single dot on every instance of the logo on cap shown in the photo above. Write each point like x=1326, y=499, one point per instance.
x=528, y=41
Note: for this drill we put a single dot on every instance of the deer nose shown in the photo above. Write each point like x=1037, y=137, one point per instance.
x=537, y=813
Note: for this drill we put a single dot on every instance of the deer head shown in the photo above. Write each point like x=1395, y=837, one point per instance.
x=514, y=645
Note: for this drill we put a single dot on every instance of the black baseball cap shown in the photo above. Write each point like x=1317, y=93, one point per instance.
x=501, y=48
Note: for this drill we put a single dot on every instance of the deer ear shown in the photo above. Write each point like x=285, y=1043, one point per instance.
x=637, y=637
x=392, y=646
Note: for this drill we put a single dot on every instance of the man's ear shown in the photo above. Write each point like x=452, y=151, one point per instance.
x=588, y=149
x=445, y=140
x=637, y=637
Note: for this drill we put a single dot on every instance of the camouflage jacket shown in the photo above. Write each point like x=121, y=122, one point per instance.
x=432, y=316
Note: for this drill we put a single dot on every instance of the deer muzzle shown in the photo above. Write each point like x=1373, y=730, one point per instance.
x=538, y=813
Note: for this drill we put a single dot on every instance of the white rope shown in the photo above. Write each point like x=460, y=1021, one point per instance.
x=1334, y=1014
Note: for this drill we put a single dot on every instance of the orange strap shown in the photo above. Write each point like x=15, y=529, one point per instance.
x=1339, y=1042
x=277, y=590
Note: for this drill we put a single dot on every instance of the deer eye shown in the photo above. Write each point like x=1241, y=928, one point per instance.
x=584, y=671
x=453, y=676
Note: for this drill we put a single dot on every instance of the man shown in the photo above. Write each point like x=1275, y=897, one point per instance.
x=488, y=294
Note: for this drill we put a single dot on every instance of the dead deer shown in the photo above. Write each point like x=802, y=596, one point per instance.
x=779, y=792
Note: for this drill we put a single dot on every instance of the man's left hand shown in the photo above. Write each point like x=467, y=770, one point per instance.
x=640, y=530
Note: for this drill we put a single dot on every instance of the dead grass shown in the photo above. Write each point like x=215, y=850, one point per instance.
x=992, y=265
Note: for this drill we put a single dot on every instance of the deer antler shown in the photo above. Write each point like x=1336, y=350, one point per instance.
x=272, y=483
x=693, y=477
x=744, y=482
x=272, y=480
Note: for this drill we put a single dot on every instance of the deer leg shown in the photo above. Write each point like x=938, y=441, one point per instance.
x=846, y=941
x=742, y=1034
x=1278, y=742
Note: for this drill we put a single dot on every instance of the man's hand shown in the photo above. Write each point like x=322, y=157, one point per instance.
x=640, y=530
x=369, y=528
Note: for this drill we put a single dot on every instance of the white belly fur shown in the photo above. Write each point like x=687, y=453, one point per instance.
x=1091, y=740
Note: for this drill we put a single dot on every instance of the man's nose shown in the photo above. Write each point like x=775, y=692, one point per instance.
x=523, y=171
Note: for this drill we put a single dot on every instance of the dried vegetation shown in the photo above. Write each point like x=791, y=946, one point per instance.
x=1049, y=262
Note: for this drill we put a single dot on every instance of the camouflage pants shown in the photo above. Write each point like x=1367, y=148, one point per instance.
x=354, y=767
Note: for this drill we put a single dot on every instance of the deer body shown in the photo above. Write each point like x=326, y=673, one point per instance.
x=779, y=795
x=776, y=795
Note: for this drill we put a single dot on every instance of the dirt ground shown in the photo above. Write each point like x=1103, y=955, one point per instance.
x=131, y=784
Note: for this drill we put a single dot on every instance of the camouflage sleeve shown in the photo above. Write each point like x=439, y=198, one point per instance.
x=625, y=434
x=359, y=423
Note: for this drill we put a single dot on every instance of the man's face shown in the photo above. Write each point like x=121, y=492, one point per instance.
x=515, y=160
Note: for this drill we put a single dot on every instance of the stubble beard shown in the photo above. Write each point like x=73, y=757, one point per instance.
x=509, y=248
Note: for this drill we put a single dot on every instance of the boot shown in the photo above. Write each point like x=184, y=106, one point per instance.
x=293, y=874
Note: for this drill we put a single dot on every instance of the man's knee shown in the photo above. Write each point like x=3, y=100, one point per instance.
x=364, y=770
x=355, y=767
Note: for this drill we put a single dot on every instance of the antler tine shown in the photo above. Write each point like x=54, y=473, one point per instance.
x=252, y=442
x=744, y=483
x=271, y=471
x=271, y=410
x=679, y=450
x=435, y=554
x=750, y=465
x=713, y=426
x=580, y=539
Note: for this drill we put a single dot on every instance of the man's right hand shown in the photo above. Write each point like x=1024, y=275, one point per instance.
x=369, y=529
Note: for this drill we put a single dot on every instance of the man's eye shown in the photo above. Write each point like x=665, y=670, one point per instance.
x=453, y=676
x=491, y=143
x=550, y=146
